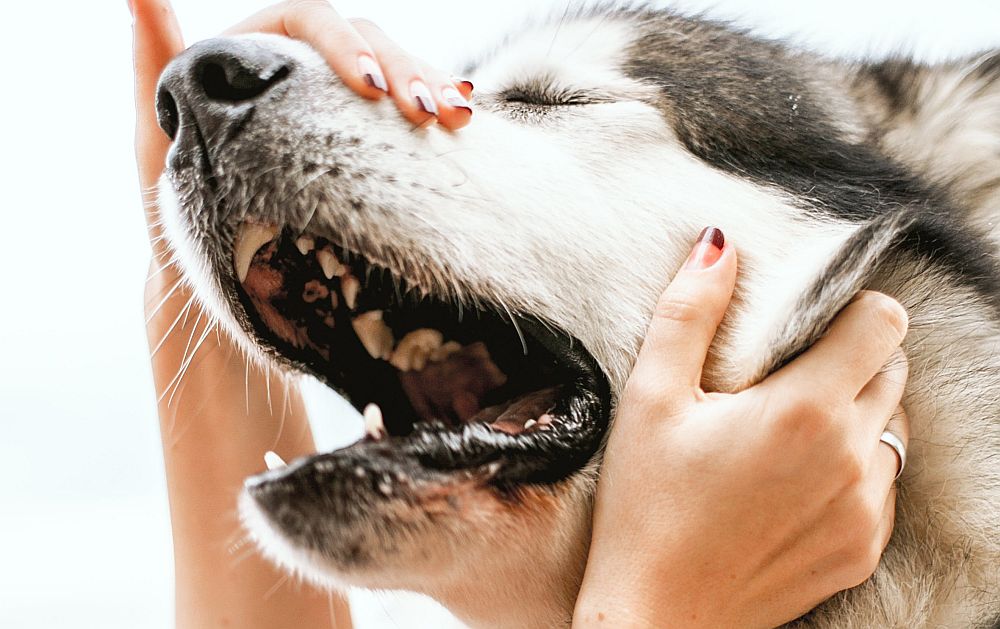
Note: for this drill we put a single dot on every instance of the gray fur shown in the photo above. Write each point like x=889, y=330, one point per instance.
x=578, y=212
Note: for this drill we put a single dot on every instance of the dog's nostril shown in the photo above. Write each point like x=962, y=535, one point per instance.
x=166, y=112
x=228, y=80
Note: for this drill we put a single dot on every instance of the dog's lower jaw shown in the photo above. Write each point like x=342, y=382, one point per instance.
x=518, y=563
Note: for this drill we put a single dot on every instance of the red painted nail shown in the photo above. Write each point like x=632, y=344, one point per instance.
x=707, y=250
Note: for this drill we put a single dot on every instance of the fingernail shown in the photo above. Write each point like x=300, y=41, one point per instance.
x=707, y=250
x=466, y=83
x=131, y=7
x=422, y=95
x=371, y=73
x=455, y=99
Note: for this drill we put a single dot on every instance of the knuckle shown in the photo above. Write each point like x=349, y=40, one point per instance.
x=808, y=414
x=363, y=23
x=862, y=559
x=886, y=311
x=306, y=5
x=853, y=469
x=678, y=307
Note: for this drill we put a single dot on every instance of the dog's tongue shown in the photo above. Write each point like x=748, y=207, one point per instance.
x=453, y=388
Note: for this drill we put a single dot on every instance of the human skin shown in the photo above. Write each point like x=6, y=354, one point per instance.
x=746, y=509
x=221, y=415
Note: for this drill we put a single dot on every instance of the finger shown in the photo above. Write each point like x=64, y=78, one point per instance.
x=408, y=86
x=881, y=396
x=318, y=24
x=888, y=521
x=687, y=316
x=156, y=40
x=464, y=86
x=858, y=342
x=454, y=110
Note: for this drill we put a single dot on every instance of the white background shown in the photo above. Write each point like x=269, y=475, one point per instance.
x=84, y=536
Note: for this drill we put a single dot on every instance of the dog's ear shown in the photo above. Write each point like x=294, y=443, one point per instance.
x=863, y=256
x=892, y=250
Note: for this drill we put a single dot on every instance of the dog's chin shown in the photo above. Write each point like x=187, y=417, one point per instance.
x=478, y=420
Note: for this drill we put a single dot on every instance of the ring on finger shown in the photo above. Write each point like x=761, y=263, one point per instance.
x=898, y=447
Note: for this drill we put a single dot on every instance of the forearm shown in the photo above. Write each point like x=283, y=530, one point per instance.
x=217, y=417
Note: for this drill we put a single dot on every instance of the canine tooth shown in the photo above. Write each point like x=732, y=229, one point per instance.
x=528, y=424
x=545, y=420
x=385, y=488
x=249, y=239
x=334, y=300
x=329, y=263
x=374, y=334
x=273, y=461
x=350, y=287
x=360, y=472
x=374, y=427
x=305, y=244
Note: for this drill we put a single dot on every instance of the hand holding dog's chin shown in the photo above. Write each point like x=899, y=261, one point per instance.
x=744, y=510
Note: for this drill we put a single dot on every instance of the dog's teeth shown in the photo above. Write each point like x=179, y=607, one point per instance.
x=334, y=300
x=329, y=263
x=305, y=244
x=445, y=351
x=385, y=488
x=360, y=472
x=249, y=239
x=416, y=347
x=374, y=426
x=528, y=424
x=350, y=287
x=374, y=334
x=545, y=420
x=273, y=461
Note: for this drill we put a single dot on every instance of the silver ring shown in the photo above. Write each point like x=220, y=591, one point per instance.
x=896, y=444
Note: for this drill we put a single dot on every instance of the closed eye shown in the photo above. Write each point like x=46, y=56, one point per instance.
x=548, y=95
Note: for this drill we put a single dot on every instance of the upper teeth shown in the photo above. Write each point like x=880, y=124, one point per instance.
x=250, y=238
x=305, y=244
x=329, y=263
x=273, y=461
x=350, y=287
x=374, y=334
x=415, y=349
x=374, y=426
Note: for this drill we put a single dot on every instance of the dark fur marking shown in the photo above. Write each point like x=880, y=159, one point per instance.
x=726, y=96
x=898, y=82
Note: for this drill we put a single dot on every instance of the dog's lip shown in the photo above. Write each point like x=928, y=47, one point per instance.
x=442, y=454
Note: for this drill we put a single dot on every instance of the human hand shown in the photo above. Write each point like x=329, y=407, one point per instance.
x=747, y=509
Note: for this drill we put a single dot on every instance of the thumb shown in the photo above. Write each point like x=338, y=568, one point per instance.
x=156, y=40
x=687, y=316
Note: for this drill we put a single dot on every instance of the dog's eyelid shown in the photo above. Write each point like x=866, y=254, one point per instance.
x=547, y=96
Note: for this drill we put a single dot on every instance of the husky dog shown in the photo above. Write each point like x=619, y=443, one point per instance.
x=488, y=289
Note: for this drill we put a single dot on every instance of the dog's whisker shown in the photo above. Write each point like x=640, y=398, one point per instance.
x=170, y=330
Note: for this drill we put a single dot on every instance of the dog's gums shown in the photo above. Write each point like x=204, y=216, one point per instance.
x=460, y=384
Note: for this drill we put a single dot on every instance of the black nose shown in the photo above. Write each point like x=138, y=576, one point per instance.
x=216, y=83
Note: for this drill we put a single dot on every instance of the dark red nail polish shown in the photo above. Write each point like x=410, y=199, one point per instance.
x=707, y=250
x=467, y=84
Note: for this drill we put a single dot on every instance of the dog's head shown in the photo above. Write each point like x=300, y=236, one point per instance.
x=487, y=289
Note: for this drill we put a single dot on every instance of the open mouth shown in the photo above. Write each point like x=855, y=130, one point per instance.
x=445, y=387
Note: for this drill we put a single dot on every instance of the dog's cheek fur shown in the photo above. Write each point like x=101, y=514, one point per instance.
x=430, y=217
